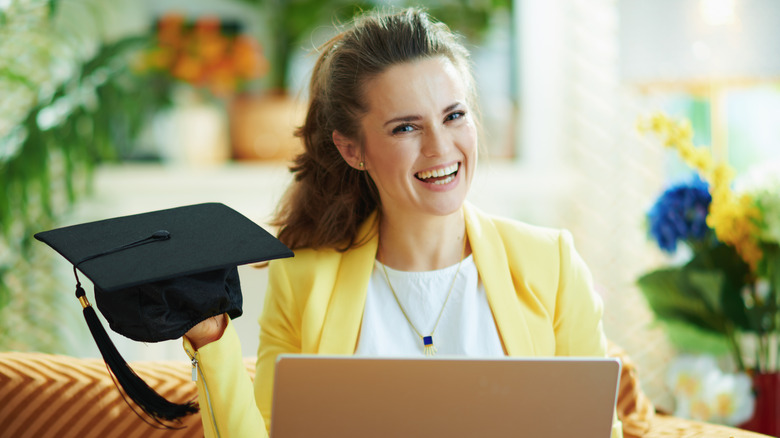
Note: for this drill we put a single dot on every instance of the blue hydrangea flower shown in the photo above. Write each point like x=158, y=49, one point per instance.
x=680, y=214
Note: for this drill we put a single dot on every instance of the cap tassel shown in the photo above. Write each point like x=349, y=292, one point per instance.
x=152, y=403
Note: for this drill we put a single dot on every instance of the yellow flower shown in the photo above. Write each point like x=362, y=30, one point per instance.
x=685, y=153
x=680, y=136
x=702, y=161
x=732, y=219
x=721, y=177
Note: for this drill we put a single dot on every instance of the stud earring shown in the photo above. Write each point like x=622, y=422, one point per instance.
x=361, y=164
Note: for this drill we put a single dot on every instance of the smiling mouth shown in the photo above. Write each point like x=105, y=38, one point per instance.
x=439, y=176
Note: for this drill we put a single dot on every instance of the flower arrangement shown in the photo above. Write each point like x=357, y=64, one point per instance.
x=725, y=297
x=208, y=54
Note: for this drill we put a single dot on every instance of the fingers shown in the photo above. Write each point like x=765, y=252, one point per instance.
x=207, y=331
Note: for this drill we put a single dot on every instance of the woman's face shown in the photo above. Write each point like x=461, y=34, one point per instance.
x=419, y=137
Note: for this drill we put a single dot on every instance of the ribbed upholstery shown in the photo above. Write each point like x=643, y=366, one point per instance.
x=666, y=426
x=43, y=395
x=634, y=409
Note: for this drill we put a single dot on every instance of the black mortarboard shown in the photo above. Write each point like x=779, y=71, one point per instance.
x=158, y=274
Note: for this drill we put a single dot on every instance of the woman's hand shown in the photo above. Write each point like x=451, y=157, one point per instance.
x=207, y=331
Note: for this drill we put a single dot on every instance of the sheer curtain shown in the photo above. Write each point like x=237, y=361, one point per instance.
x=579, y=126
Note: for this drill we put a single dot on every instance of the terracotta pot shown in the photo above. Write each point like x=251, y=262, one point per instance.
x=766, y=418
x=262, y=126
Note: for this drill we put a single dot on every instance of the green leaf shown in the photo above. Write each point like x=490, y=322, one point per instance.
x=735, y=275
x=15, y=77
x=691, y=339
x=52, y=8
x=709, y=285
x=5, y=291
x=671, y=296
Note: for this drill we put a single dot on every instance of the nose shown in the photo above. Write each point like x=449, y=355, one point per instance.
x=436, y=142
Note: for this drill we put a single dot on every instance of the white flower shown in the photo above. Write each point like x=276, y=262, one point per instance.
x=702, y=392
x=687, y=373
x=729, y=397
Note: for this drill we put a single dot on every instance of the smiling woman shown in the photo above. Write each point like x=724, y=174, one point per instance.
x=419, y=145
x=390, y=259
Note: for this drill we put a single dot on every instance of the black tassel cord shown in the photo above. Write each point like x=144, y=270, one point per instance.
x=152, y=403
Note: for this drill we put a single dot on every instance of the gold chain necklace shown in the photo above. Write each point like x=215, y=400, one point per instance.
x=428, y=348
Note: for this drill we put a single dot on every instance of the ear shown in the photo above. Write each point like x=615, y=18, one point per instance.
x=348, y=149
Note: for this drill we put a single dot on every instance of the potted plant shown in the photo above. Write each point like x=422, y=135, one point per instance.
x=201, y=65
x=726, y=297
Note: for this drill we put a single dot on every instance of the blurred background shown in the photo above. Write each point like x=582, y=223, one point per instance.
x=121, y=107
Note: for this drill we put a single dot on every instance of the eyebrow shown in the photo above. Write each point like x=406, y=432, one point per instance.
x=416, y=117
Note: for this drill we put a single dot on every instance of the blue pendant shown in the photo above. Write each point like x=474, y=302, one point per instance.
x=428, y=347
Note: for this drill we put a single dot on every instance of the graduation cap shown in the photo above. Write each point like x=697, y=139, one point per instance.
x=157, y=275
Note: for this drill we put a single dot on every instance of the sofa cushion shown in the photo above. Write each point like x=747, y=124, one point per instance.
x=44, y=395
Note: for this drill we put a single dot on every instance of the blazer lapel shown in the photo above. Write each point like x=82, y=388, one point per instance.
x=490, y=257
x=345, y=310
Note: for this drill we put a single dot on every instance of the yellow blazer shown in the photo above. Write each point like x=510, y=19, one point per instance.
x=538, y=288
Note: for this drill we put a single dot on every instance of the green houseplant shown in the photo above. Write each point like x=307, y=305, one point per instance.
x=72, y=103
x=727, y=296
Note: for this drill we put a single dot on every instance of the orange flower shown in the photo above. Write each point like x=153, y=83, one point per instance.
x=203, y=55
x=207, y=26
x=187, y=68
x=170, y=29
x=212, y=48
x=222, y=80
x=248, y=58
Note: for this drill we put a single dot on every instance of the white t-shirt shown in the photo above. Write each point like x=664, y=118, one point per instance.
x=466, y=328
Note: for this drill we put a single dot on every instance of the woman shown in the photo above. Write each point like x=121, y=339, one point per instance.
x=389, y=258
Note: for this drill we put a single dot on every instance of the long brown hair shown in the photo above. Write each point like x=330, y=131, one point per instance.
x=328, y=199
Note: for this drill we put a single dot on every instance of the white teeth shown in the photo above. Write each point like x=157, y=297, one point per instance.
x=439, y=173
x=444, y=181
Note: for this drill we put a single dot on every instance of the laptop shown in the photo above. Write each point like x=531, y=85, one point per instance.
x=352, y=396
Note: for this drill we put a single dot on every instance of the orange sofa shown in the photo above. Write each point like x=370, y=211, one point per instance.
x=44, y=395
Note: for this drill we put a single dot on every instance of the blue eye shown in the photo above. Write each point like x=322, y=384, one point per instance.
x=402, y=128
x=456, y=115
